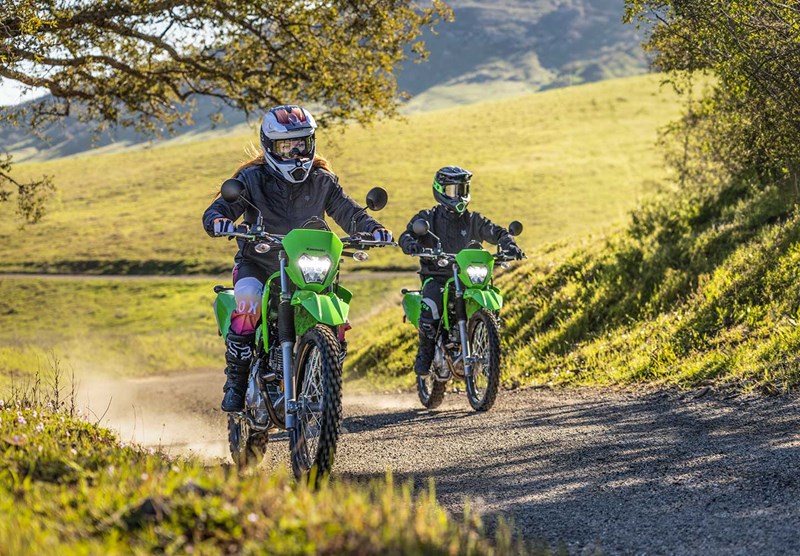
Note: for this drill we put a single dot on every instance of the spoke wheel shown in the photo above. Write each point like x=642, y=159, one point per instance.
x=319, y=404
x=247, y=446
x=430, y=391
x=484, y=342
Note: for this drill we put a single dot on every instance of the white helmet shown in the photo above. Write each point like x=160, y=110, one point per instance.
x=287, y=138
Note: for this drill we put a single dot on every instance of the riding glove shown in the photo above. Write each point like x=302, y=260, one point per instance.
x=222, y=226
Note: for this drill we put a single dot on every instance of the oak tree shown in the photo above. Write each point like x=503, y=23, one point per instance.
x=140, y=63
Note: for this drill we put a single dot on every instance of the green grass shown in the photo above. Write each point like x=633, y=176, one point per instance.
x=70, y=487
x=699, y=288
x=133, y=327
x=565, y=162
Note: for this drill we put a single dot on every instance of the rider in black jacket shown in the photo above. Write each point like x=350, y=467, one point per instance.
x=457, y=228
x=289, y=184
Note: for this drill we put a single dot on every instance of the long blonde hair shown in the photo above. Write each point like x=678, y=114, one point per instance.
x=257, y=157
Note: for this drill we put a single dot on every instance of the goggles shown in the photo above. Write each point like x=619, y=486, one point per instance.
x=454, y=190
x=297, y=148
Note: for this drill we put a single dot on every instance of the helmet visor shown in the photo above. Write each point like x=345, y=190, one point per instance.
x=453, y=190
x=299, y=148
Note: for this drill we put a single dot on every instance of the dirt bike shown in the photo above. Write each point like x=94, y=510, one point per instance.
x=295, y=385
x=468, y=338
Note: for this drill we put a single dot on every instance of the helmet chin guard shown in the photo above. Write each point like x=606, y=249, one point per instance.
x=287, y=139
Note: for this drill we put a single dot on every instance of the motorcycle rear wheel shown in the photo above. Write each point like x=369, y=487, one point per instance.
x=484, y=341
x=319, y=400
x=430, y=391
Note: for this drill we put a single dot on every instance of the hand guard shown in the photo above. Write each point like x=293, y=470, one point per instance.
x=382, y=234
x=223, y=226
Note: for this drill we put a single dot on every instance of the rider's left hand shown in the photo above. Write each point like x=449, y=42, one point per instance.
x=514, y=251
x=382, y=234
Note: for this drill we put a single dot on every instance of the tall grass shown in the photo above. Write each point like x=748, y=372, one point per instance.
x=68, y=486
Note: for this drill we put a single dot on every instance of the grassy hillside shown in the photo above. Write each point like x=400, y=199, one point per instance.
x=69, y=487
x=699, y=288
x=565, y=162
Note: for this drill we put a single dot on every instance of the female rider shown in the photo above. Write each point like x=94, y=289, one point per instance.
x=289, y=183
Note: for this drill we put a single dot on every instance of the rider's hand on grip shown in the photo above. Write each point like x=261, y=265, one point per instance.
x=515, y=252
x=414, y=248
x=382, y=234
x=222, y=226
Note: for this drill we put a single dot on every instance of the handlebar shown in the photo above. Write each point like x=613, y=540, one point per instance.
x=434, y=255
x=277, y=239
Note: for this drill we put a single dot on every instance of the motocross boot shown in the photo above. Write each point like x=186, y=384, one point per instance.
x=238, y=357
x=426, y=349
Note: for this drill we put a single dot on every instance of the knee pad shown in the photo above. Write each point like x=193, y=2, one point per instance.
x=428, y=329
x=248, y=293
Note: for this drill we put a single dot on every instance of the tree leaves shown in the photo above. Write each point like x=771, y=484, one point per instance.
x=137, y=63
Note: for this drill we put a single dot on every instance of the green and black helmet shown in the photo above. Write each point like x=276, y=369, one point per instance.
x=451, y=188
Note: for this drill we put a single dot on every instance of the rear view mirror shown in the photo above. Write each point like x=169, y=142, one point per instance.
x=377, y=198
x=515, y=228
x=420, y=227
x=231, y=190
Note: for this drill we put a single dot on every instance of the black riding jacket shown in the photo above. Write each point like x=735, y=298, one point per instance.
x=286, y=207
x=456, y=231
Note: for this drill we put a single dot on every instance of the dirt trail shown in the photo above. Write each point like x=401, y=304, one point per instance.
x=625, y=473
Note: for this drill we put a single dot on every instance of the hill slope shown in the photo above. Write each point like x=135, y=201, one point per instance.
x=700, y=288
x=565, y=162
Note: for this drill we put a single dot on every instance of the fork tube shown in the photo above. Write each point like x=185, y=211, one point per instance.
x=461, y=317
x=286, y=336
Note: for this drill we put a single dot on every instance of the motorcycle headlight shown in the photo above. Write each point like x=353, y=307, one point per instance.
x=477, y=273
x=314, y=269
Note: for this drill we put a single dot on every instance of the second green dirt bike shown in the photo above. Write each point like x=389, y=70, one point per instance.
x=468, y=338
x=295, y=380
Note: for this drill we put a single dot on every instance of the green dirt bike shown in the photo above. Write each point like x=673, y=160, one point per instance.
x=295, y=380
x=468, y=338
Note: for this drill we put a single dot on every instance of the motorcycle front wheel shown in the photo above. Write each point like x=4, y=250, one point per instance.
x=319, y=404
x=484, y=341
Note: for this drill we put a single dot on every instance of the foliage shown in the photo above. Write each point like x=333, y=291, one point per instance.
x=31, y=196
x=70, y=487
x=751, y=117
x=135, y=63
x=573, y=160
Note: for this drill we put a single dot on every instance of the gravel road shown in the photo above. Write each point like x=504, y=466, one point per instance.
x=625, y=473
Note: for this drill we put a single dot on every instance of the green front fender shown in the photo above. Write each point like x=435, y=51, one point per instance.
x=316, y=308
x=489, y=298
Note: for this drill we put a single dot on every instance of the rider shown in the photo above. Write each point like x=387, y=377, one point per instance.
x=290, y=184
x=457, y=228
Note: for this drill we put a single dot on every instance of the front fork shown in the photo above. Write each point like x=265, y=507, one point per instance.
x=286, y=336
x=461, y=318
